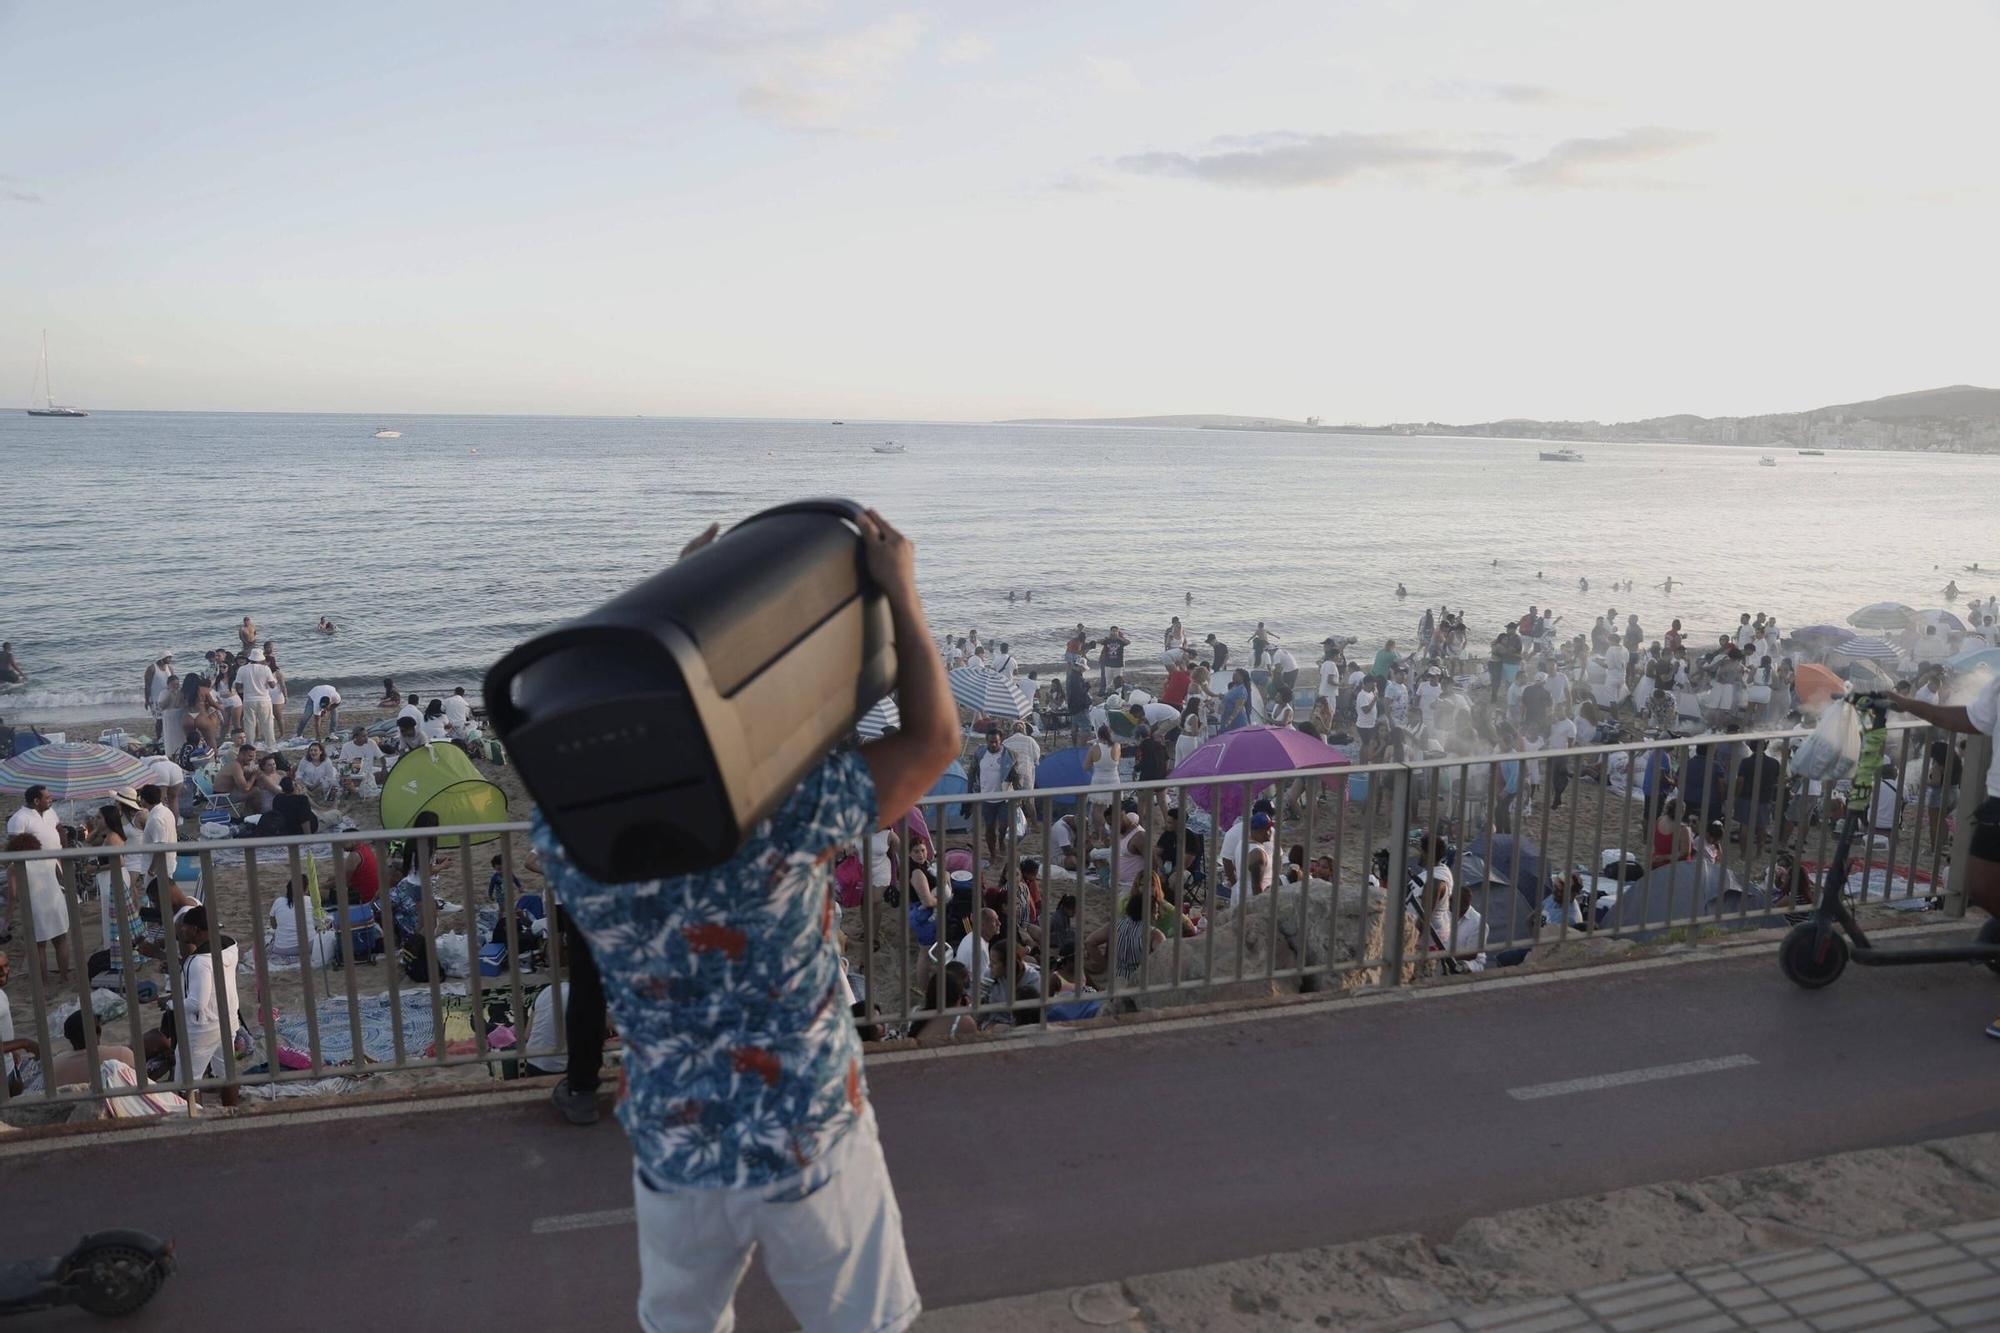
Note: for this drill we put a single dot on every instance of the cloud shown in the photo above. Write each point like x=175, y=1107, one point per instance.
x=1576, y=163
x=792, y=69
x=1287, y=161
x=819, y=84
x=1113, y=75
x=14, y=190
x=967, y=50
x=1473, y=90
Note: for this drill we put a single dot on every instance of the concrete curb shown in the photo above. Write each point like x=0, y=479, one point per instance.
x=1406, y=1281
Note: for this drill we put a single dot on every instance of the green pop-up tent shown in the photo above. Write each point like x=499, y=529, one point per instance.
x=439, y=779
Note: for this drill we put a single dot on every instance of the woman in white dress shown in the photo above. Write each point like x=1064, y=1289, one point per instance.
x=319, y=776
x=1102, y=761
x=47, y=909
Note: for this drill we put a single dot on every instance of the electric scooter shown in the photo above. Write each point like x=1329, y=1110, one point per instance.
x=107, y=1273
x=1815, y=952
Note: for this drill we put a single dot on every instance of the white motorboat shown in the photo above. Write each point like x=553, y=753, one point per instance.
x=386, y=434
x=1767, y=461
x=1561, y=456
x=888, y=447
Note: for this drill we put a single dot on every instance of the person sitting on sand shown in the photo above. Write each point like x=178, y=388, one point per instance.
x=265, y=784
x=237, y=772
x=408, y=736
x=318, y=775
x=362, y=763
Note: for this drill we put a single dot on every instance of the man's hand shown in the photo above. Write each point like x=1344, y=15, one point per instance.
x=892, y=557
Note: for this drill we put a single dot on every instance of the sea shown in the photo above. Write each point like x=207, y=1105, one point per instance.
x=131, y=534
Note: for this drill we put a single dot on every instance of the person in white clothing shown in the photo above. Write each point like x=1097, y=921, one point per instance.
x=208, y=1018
x=458, y=710
x=321, y=713
x=158, y=828
x=36, y=816
x=256, y=684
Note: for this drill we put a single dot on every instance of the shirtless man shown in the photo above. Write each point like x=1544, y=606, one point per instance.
x=238, y=773
x=10, y=670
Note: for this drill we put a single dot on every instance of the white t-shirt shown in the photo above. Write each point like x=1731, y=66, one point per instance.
x=435, y=728
x=162, y=829
x=1469, y=941
x=1427, y=694
x=1984, y=713
x=1888, y=793
x=1562, y=733
x=1364, y=709
x=1063, y=835
x=963, y=955
x=457, y=710
x=991, y=762
x=319, y=693
x=1329, y=678
x=256, y=682
x=412, y=712
x=41, y=823
x=1397, y=696
x=1282, y=660
x=367, y=753
x=1027, y=756
x=880, y=872
x=1003, y=665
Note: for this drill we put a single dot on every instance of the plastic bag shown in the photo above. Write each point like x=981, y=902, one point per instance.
x=1834, y=749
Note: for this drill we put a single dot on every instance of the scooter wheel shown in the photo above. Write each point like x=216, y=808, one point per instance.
x=1990, y=934
x=116, y=1280
x=1808, y=961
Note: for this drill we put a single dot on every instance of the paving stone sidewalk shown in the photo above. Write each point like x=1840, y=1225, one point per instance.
x=1948, y=1279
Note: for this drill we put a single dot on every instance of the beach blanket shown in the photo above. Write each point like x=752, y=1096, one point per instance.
x=378, y=1026
x=269, y=858
x=1899, y=892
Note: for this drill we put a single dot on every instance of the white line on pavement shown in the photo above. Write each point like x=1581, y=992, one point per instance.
x=1598, y=1082
x=549, y=1226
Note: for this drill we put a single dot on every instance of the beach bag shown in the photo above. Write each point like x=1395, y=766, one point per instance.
x=1834, y=748
x=496, y=753
x=847, y=881
x=362, y=940
x=415, y=958
x=923, y=925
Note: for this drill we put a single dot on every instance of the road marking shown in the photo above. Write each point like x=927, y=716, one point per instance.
x=549, y=1226
x=1598, y=1082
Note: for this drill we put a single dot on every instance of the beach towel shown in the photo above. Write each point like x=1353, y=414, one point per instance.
x=118, y=1074
x=378, y=1029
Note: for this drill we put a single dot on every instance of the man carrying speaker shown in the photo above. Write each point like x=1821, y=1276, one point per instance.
x=745, y=1101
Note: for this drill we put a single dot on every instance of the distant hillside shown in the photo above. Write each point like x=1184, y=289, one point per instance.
x=1959, y=400
x=1197, y=421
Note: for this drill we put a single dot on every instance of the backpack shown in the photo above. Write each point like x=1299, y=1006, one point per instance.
x=416, y=958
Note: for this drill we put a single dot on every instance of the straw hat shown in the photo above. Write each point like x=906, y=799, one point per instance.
x=127, y=797
x=256, y=655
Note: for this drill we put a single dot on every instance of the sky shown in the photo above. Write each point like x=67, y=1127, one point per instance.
x=1371, y=211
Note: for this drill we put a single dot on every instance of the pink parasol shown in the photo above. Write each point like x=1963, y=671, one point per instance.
x=1251, y=750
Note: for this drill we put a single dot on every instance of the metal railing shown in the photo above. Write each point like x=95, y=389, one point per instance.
x=1338, y=913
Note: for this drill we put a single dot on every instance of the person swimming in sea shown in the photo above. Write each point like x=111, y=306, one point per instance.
x=1011, y=595
x=1951, y=589
x=1668, y=586
x=325, y=626
x=1538, y=573
x=1583, y=585
x=1401, y=591
x=10, y=670
x=1189, y=597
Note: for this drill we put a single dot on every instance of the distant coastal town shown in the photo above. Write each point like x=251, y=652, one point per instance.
x=1960, y=419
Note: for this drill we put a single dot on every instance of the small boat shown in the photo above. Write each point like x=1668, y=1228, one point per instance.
x=1812, y=453
x=1767, y=461
x=1561, y=456
x=49, y=407
x=386, y=434
x=888, y=447
x=836, y=423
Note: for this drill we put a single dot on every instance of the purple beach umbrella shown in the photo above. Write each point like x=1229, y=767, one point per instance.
x=1251, y=750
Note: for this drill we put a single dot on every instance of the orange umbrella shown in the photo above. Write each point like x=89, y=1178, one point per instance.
x=1816, y=684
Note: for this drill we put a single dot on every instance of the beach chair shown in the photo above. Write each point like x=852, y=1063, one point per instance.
x=204, y=789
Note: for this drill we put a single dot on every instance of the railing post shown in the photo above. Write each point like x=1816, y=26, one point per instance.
x=1399, y=869
x=1971, y=791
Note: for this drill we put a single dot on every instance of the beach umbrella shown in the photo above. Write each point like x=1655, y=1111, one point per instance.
x=1514, y=860
x=1831, y=633
x=1881, y=615
x=1064, y=768
x=1977, y=659
x=1942, y=619
x=988, y=693
x=1251, y=750
x=1878, y=650
x=74, y=770
x=1815, y=684
x=879, y=719
x=1863, y=674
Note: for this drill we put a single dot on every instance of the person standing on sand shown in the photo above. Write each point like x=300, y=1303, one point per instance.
x=255, y=683
x=1111, y=656
x=1219, y=651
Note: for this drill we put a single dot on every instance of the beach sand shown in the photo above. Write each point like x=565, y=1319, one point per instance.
x=1590, y=821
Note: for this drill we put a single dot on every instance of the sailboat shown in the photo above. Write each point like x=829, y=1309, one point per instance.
x=43, y=382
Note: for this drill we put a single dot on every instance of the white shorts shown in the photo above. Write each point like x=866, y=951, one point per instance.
x=832, y=1238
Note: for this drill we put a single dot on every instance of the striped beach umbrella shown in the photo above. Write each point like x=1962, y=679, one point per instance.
x=1882, y=615
x=879, y=719
x=988, y=693
x=1942, y=619
x=74, y=770
x=1877, y=650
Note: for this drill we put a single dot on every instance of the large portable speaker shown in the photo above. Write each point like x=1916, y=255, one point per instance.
x=656, y=731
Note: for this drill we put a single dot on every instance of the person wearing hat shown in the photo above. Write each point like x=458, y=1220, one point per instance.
x=255, y=683
x=159, y=687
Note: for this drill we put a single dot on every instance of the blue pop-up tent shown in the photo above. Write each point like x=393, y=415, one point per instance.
x=1064, y=768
